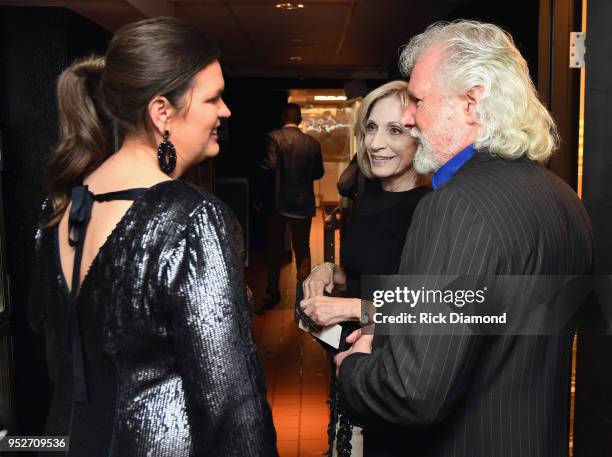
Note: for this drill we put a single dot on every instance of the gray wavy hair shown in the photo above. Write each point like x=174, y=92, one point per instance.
x=512, y=120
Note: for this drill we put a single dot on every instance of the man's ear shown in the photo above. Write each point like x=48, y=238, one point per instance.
x=160, y=112
x=473, y=97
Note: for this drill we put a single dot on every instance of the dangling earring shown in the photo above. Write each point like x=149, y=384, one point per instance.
x=166, y=154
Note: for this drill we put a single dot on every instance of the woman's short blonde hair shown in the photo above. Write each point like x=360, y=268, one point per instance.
x=398, y=89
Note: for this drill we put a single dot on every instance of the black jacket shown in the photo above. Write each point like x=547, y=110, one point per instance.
x=467, y=395
x=295, y=160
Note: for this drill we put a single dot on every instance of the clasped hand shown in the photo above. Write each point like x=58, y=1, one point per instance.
x=325, y=310
x=322, y=309
x=360, y=343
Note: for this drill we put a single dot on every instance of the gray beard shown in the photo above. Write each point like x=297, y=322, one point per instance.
x=424, y=161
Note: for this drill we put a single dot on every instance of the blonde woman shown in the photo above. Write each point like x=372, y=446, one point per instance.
x=375, y=234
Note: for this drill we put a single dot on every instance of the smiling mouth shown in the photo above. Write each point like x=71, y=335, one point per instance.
x=380, y=159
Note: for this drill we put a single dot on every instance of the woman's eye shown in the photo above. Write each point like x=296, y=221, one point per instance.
x=396, y=131
x=370, y=127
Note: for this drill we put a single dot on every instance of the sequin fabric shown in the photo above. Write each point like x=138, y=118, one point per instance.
x=170, y=362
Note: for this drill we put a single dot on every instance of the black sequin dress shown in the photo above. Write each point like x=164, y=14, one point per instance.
x=169, y=363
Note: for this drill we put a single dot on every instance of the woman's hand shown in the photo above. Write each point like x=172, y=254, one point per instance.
x=321, y=279
x=325, y=310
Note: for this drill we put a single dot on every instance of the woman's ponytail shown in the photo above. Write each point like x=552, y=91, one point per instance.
x=157, y=56
x=83, y=130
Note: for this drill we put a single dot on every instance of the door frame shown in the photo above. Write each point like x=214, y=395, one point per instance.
x=558, y=84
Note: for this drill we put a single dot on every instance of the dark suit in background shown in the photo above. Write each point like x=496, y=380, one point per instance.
x=295, y=160
x=477, y=396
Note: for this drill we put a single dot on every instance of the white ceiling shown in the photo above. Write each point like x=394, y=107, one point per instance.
x=330, y=38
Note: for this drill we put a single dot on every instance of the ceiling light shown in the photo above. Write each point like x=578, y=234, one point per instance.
x=330, y=98
x=289, y=6
x=295, y=58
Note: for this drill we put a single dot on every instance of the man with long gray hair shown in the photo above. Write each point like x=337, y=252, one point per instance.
x=494, y=211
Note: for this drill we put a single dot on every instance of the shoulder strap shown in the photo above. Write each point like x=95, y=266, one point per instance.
x=80, y=214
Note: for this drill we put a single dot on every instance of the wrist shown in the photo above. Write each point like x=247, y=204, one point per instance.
x=327, y=265
x=353, y=310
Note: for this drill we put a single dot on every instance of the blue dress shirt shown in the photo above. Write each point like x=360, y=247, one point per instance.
x=448, y=170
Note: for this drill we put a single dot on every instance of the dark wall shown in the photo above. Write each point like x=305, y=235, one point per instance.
x=520, y=18
x=36, y=44
x=593, y=419
x=255, y=111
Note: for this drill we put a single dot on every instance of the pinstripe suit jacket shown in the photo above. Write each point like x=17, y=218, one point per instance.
x=477, y=396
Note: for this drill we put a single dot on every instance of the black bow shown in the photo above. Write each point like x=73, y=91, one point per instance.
x=80, y=213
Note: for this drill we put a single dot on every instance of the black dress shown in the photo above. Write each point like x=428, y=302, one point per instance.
x=375, y=233
x=169, y=363
x=371, y=245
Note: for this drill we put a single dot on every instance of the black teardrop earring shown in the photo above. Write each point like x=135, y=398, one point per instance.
x=166, y=154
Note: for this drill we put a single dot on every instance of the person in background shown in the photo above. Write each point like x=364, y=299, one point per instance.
x=294, y=160
x=377, y=228
x=139, y=281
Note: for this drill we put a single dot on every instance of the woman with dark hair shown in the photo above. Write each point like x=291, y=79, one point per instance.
x=141, y=292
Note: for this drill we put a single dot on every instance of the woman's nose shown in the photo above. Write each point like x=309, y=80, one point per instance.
x=224, y=111
x=377, y=141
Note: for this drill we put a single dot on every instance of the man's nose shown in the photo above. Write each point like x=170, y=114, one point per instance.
x=408, y=115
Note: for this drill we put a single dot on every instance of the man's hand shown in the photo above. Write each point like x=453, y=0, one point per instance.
x=326, y=310
x=360, y=343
